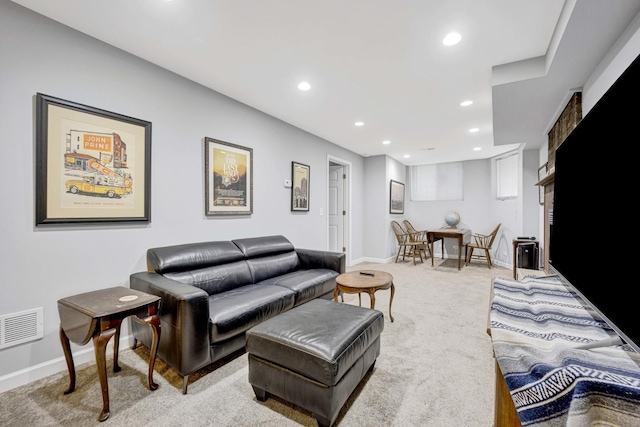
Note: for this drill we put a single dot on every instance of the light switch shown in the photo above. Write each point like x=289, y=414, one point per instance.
x=287, y=183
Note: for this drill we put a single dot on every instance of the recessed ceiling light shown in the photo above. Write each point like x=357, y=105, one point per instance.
x=359, y=123
x=473, y=130
x=466, y=103
x=477, y=148
x=304, y=86
x=386, y=142
x=451, y=39
x=406, y=156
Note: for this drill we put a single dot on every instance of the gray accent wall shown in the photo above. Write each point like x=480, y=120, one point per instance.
x=40, y=265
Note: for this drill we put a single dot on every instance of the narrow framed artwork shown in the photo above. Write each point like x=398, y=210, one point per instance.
x=300, y=177
x=228, y=178
x=92, y=165
x=542, y=172
x=396, y=197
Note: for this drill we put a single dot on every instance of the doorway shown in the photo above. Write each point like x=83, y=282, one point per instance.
x=339, y=204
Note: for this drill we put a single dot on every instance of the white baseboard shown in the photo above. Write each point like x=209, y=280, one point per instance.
x=50, y=367
x=502, y=264
x=85, y=355
x=438, y=255
x=373, y=260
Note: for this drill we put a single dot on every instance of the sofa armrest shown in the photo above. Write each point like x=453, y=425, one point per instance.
x=184, y=317
x=311, y=258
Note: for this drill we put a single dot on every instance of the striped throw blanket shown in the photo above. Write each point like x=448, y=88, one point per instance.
x=537, y=324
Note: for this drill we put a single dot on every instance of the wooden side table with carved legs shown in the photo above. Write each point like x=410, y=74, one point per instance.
x=369, y=281
x=98, y=315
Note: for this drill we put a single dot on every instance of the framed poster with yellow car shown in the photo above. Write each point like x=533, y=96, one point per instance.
x=92, y=165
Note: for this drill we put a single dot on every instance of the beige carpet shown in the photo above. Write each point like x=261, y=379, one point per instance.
x=436, y=368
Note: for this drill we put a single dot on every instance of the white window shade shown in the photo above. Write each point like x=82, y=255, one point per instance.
x=507, y=177
x=437, y=182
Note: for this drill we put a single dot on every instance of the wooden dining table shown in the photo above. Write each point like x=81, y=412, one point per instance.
x=463, y=236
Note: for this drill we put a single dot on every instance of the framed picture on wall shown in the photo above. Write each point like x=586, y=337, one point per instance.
x=300, y=175
x=396, y=198
x=228, y=178
x=542, y=172
x=92, y=165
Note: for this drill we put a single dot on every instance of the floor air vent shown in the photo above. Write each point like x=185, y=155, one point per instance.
x=21, y=327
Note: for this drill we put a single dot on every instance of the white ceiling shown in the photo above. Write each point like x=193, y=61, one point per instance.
x=378, y=61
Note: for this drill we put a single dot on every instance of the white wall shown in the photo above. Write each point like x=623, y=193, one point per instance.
x=509, y=213
x=398, y=172
x=374, y=209
x=625, y=50
x=476, y=211
x=480, y=211
x=619, y=57
x=531, y=200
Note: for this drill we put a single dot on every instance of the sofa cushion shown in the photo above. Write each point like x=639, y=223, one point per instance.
x=272, y=266
x=192, y=256
x=215, y=279
x=233, y=312
x=307, y=284
x=254, y=247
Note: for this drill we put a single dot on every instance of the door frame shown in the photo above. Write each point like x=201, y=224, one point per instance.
x=346, y=233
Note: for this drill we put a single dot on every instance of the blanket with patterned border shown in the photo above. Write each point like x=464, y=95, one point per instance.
x=537, y=325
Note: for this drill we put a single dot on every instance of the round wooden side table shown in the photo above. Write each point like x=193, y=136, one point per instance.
x=369, y=281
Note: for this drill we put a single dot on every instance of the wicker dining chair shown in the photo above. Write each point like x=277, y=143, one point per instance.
x=422, y=235
x=482, y=244
x=408, y=243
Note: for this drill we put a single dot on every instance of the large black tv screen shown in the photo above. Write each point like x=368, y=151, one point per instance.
x=593, y=236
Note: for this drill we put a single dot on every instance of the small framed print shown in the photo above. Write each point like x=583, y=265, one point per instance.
x=396, y=198
x=542, y=172
x=92, y=165
x=300, y=175
x=228, y=178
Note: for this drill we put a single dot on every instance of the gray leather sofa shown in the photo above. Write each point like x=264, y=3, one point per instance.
x=213, y=292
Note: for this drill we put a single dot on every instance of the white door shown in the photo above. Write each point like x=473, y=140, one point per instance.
x=336, y=208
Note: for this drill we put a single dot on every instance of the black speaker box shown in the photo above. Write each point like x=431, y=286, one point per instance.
x=527, y=256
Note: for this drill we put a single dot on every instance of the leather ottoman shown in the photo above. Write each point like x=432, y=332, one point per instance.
x=314, y=355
